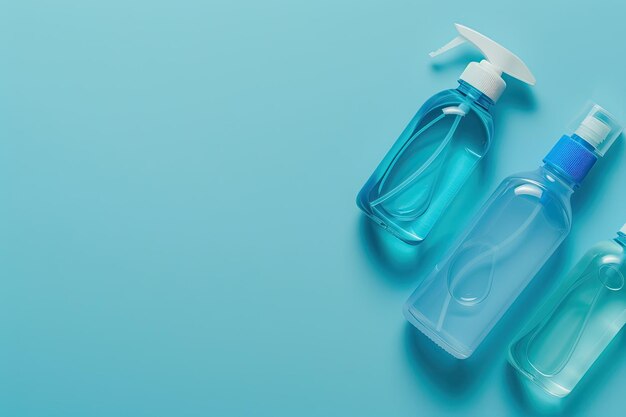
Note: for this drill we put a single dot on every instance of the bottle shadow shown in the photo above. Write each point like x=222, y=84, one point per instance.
x=446, y=375
x=462, y=379
x=455, y=62
x=395, y=261
x=534, y=400
x=390, y=257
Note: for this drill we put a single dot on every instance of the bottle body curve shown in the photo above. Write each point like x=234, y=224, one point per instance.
x=508, y=241
x=576, y=324
x=428, y=164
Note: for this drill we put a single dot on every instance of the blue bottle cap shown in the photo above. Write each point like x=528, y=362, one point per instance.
x=575, y=155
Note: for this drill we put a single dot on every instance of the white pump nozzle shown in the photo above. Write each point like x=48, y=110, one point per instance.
x=486, y=76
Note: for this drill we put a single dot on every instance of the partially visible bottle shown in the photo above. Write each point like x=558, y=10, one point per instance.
x=441, y=146
x=570, y=331
x=509, y=240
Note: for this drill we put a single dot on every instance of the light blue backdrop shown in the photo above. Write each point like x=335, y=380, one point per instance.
x=178, y=232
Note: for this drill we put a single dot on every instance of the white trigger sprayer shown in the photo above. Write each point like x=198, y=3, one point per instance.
x=486, y=75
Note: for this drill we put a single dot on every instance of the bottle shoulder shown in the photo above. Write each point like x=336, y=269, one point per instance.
x=607, y=251
x=604, y=264
x=534, y=186
x=540, y=177
x=452, y=97
x=475, y=119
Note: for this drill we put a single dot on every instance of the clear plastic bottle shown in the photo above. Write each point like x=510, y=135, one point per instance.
x=441, y=146
x=570, y=331
x=509, y=240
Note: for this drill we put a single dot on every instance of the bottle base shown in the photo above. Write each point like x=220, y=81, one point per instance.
x=539, y=380
x=420, y=322
x=392, y=228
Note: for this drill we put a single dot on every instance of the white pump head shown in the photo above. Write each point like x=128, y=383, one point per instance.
x=486, y=75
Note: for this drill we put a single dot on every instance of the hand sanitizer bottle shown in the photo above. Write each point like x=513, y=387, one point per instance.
x=509, y=240
x=578, y=321
x=441, y=146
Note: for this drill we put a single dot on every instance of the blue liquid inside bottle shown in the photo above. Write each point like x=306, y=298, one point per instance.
x=429, y=163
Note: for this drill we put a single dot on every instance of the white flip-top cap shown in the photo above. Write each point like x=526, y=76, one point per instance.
x=486, y=75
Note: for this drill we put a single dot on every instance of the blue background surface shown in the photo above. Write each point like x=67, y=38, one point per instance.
x=179, y=234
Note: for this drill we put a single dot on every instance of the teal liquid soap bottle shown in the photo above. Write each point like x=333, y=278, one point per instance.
x=439, y=149
x=508, y=241
x=570, y=331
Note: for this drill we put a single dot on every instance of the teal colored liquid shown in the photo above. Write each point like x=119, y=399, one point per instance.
x=572, y=329
x=428, y=165
x=420, y=202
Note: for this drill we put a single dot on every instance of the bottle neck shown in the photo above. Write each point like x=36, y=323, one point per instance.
x=555, y=175
x=571, y=158
x=475, y=95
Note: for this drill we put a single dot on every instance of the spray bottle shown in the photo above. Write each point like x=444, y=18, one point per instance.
x=439, y=149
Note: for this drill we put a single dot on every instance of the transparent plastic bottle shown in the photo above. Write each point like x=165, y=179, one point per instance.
x=509, y=240
x=441, y=146
x=570, y=331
